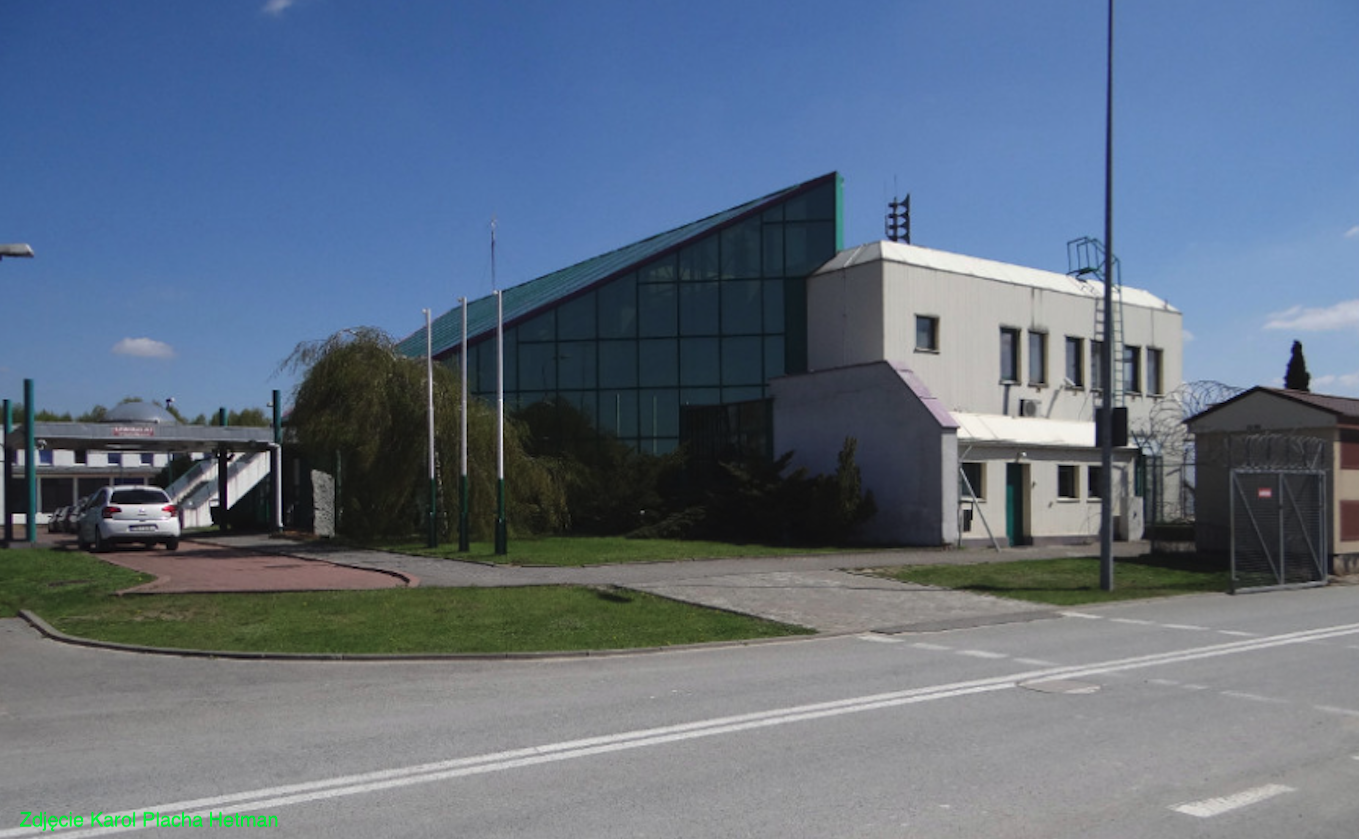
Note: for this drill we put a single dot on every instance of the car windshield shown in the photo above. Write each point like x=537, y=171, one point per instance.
x=138, y=496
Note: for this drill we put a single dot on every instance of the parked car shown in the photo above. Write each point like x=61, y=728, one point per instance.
x=56, y=523
x=71, y=519
x=128, y=513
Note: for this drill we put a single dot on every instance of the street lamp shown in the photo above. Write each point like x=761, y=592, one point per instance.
x=16, y=250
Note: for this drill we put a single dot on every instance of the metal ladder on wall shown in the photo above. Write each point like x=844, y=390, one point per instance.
x=1085, y=260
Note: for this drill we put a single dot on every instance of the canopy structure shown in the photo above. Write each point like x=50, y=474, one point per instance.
x=143, y=437
x=136, y=433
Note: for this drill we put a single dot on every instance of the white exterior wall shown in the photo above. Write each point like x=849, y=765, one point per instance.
x=864, y=305
x=66, y=458
x=1047, y=517
x=907, y=447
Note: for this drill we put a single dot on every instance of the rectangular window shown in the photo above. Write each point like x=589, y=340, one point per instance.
x=1349, y=448
x=1092, y=482
x=1075, y=362
x=975, y=475
x=1097, y=365
x=1349, y=521
x=1038, y=358
x=1009, y=354
x=1132, y=369
x=1066, y=483
x=927, y=333
x=1155, y=372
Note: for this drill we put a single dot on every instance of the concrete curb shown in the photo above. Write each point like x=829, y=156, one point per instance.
x=52, y=633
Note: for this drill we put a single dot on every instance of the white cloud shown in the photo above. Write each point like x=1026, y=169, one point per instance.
x=144, y=348
x=1344, y=381
x=277, y=7
x=1353, y=232
x=1342, y=315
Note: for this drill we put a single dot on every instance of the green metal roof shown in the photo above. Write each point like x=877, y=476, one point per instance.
x=527, y=299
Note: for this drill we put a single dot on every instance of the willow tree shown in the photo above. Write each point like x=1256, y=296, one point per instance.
x=362, y=405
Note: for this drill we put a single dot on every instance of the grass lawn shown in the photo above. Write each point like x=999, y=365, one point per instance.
x=598, y=550
x=74, y=593
x=1072, y=582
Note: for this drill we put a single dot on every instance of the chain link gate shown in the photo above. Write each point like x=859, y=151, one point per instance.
x=1278, y=529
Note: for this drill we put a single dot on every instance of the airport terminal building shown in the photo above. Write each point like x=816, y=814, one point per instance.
x=970, y=385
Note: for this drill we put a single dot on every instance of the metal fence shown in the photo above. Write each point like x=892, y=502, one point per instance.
x=1278, y=529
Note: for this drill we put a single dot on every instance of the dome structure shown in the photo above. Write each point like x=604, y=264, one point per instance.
x=140, y=412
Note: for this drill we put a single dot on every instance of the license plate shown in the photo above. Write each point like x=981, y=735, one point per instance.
x=142, y=527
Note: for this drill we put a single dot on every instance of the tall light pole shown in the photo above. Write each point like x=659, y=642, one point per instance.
x=20, y=251
x=1106, y=408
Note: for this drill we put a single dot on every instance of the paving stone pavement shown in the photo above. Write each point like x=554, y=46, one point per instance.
x=814, y=591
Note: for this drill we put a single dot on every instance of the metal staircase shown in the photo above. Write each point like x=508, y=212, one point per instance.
x=1085, y=261
x=196, y=490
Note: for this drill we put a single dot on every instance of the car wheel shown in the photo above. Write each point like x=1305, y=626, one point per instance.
x=171, y=544
x=100, y=545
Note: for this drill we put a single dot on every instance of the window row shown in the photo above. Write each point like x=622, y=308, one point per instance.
x=650, y=362
x=627, y=308
x=1139, y=369
x=972, y=482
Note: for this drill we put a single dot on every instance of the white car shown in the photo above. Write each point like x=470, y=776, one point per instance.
x=128, y=513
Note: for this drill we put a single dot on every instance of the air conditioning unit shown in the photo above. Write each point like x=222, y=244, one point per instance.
x=1028, y=407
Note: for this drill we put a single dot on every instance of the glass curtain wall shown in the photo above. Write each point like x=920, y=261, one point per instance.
x=707, y=324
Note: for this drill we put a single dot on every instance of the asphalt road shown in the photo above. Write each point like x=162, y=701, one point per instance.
x=1191, y=717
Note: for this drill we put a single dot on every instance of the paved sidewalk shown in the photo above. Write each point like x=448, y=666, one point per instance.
x=814, y=591
x=198, y=568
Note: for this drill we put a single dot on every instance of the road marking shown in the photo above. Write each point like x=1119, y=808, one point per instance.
x=1133, y=621
x=982, y=654
x=1239, y=633
x=925, y=645
x=269, y=798
x=1036, y=662
x=1210, y=807
x=1082, y=615
x=1331, y=709
x=1184, y=626
x=881, y=639
x=1253, y=697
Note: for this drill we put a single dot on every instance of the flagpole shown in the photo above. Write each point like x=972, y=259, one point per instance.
x=464, y=539
x=429, y=394
x=501, y=536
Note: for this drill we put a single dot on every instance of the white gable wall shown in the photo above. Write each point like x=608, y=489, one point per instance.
x=907, y=448
x=863, y=306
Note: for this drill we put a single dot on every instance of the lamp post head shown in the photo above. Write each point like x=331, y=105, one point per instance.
x=19, y=250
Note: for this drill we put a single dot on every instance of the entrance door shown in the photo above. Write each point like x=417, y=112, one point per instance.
x=1014, y=503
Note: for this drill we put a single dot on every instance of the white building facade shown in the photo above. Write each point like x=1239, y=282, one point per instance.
x=972, y=387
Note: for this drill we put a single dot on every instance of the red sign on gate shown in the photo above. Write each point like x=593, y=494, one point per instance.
x=1264, y=492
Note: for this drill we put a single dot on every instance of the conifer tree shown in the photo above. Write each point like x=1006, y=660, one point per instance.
x=1296, y=376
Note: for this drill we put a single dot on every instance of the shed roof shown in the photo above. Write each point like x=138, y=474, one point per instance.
x=1343, y=408
x=987, y=269
x=527, y=299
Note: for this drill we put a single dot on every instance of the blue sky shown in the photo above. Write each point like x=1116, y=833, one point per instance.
x=207, y=184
